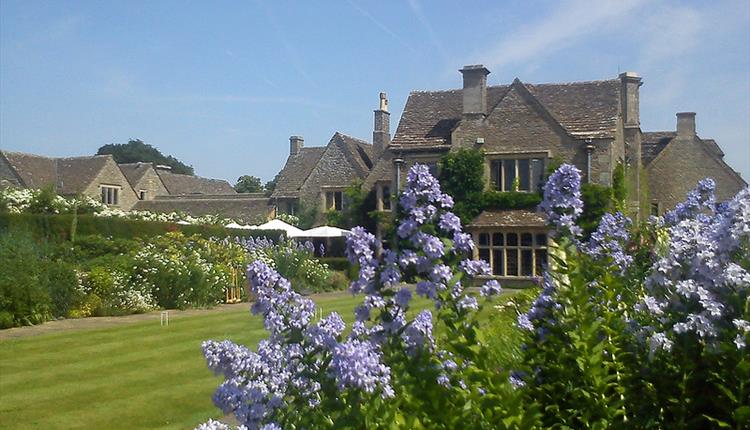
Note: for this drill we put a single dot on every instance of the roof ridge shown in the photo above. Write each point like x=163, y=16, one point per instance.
x=499, y=86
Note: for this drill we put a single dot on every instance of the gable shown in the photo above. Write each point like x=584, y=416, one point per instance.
x=76, y=174
x=179, y=184
x=34, y=170
x=684, y=162
x=297, y=168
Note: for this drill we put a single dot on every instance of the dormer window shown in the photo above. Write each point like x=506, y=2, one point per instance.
x=517, y=174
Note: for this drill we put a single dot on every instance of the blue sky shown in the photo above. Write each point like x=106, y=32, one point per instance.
x=222, y=85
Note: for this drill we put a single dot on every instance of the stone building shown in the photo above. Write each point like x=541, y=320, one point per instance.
x=96, y=176
x=316, y=178
x=137, y=186
x=522, y=128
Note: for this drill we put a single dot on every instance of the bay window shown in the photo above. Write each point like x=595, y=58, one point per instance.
x=514, y=253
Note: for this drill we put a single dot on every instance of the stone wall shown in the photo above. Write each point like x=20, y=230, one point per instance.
x=112, y=175
x=8, y=177
x=152, y=184
x=678, y=168
x=333, y=170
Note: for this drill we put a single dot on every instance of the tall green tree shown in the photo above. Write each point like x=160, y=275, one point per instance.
x=248, y=184
x=137, y=151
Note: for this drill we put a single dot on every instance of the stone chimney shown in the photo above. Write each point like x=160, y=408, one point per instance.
x=295, y=144
x=630, y=83
x=475, y=90
x=381, y=134
x=686, y=124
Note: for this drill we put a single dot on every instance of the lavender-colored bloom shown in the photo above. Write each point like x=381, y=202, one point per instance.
x=468, y=302
x=562, y=199
x=271, y=426
x=357, y=364
x=609, y=240
x=524, y=323
x=418, y=334
x=444, y=380
x=403, y=297
x=699, y=198
x=475, y=267
x=441, y=273
x=432, y=246
x=427, y=289
x=326, y=331
x=407, y=258
x=659, y=341
x=450, y=223
x=516, y=379
x=213, y=425
x=490, y=288
x=463, y=242
x=322, y=250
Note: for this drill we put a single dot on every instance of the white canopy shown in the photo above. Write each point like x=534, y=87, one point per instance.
x=325, y=231
x=182, y=222
x=277, y=224
x=240, y=226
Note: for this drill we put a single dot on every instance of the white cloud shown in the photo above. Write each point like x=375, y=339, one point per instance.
x=569, y=22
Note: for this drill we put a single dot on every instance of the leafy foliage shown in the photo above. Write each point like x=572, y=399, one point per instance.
x=248, y=184
x=137, y=151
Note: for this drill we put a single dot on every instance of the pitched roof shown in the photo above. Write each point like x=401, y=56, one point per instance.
x=69, y=175
x=509, y=218
x=135, y=171
x=583, y=109
x=653, y=142
x=245, y=208
x=179, y=184
x=74, y=174
x=360, y=151
x=296, y=170
x=35, y=171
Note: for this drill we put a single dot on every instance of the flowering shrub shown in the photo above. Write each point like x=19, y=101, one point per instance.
x=293, y=260
x=289, y=218
x=390, y=368
x=637, y=327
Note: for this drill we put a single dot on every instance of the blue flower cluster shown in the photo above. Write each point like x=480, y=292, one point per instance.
x=562, y=199
x=695, y=286
x=303, y=359
x=609, y=240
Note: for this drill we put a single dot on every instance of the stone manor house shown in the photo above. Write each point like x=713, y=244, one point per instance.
x=520, y=127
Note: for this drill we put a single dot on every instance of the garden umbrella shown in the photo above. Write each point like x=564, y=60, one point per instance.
x=240, y=226
x=277, y=224
x=325, y=231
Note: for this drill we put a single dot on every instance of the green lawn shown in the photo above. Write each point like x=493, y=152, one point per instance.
x=133, y=376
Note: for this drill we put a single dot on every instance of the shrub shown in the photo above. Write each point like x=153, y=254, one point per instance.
x=63, y=285
x=24, y=299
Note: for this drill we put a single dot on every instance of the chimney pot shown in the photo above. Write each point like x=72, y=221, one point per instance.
x=296, y=143
x=686, y=124
x=475, y=89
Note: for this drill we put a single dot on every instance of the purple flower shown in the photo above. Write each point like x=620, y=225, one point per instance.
x=418, y=334
x=357, y=364
x=450, y=223
x=699, y=198
x=403, y=297
x=562, y=199
x=475, y=267
x=609, y=240
x=491, y=288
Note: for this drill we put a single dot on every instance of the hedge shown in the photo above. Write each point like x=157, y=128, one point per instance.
x=62, y=227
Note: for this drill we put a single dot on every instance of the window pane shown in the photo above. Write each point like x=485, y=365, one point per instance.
x=512, y=262
x=523, y=175
x=339, y=200
x=509, y=174
x=497, y=239
x=527, y=265
x=433, y=168
x=541, y=239
x=497, y=262
x=484, y=254
x=104, y=196
x=495, y=171
x=329, y=200
x=512, y=239
x=115, y=198
x=526, y=239
x=386, y=197
x=541, y=261
x=537, y=173
x=484, y=239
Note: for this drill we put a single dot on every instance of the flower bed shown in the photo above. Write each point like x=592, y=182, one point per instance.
x=638, y=327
